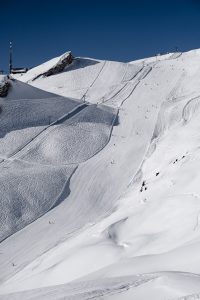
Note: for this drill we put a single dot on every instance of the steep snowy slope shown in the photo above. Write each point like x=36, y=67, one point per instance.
x=42, y=141
x=88, y=80
x=126, y=226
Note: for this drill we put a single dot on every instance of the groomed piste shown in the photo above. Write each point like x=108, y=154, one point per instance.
x=99, y=177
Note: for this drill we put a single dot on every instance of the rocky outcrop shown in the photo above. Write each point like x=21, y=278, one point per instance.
x=64, y=61
x=4, y=87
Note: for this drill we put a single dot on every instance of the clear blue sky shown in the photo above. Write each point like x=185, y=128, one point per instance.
x=105, y=29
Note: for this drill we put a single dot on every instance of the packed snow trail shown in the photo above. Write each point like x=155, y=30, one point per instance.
x=118, y=288
x=95, y=79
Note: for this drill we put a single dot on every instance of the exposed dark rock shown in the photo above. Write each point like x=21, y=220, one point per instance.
x=59, y=67
x=4, y=87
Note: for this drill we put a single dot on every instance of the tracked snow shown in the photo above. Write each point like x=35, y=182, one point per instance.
x=108, y=181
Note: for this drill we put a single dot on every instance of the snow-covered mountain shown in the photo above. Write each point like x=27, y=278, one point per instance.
x=100, y=194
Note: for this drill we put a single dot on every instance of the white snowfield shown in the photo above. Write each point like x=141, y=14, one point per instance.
x=100, y=194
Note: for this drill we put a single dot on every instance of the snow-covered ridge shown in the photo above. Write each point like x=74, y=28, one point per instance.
x=51, y=67
x=158, y=57
x=111, y=167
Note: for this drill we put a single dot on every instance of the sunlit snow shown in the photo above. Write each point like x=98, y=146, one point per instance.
x=100, y=193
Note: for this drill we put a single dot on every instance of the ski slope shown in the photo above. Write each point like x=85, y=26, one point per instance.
x=100, y=179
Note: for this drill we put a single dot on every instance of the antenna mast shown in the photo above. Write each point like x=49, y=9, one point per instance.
x=10, y=58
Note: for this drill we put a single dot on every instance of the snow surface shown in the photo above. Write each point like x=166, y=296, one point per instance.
x=109, y=185
x=52, y=131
